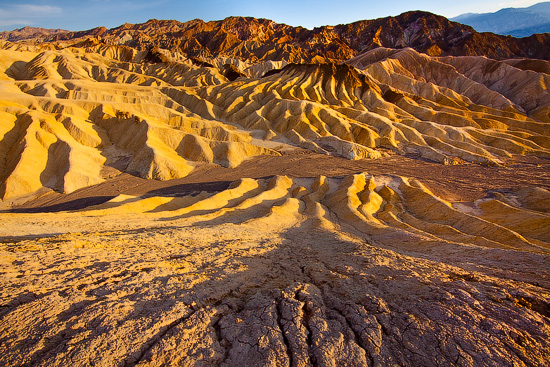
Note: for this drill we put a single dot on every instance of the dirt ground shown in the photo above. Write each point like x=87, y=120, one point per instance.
x=353, y=270
x=466, y=182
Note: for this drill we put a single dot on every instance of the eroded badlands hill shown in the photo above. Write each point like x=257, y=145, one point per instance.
x=69, y=114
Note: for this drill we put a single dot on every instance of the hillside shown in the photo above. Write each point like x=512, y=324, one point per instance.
x=260, y=39
x=69, y=114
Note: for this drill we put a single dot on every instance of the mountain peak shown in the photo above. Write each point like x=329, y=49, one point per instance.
x=231, y=37
x=517, y=22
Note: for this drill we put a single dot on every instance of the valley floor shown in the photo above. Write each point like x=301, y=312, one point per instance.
x=343, y=269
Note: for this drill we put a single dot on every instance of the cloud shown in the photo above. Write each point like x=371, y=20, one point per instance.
x=37, y=10
x=27, y=14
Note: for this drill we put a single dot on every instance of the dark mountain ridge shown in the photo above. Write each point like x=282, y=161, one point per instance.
x=262, y=39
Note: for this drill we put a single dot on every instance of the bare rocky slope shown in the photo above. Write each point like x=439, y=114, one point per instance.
x=261, y=39
x=199, y=194
x=70, y=114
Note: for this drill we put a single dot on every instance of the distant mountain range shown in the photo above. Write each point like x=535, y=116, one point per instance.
x=517, y=22
x=26, y=33
x=261, y=39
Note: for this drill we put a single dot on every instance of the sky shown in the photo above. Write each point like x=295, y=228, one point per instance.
x=75, y=15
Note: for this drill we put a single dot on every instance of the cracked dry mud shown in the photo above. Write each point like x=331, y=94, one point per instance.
x=324, y=272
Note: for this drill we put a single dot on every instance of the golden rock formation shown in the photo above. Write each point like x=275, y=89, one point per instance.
x=69, y=113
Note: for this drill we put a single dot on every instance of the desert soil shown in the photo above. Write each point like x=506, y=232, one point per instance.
x=283, y=273
x=465, y=182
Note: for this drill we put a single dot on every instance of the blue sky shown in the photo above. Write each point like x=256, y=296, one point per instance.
x=87, y=14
